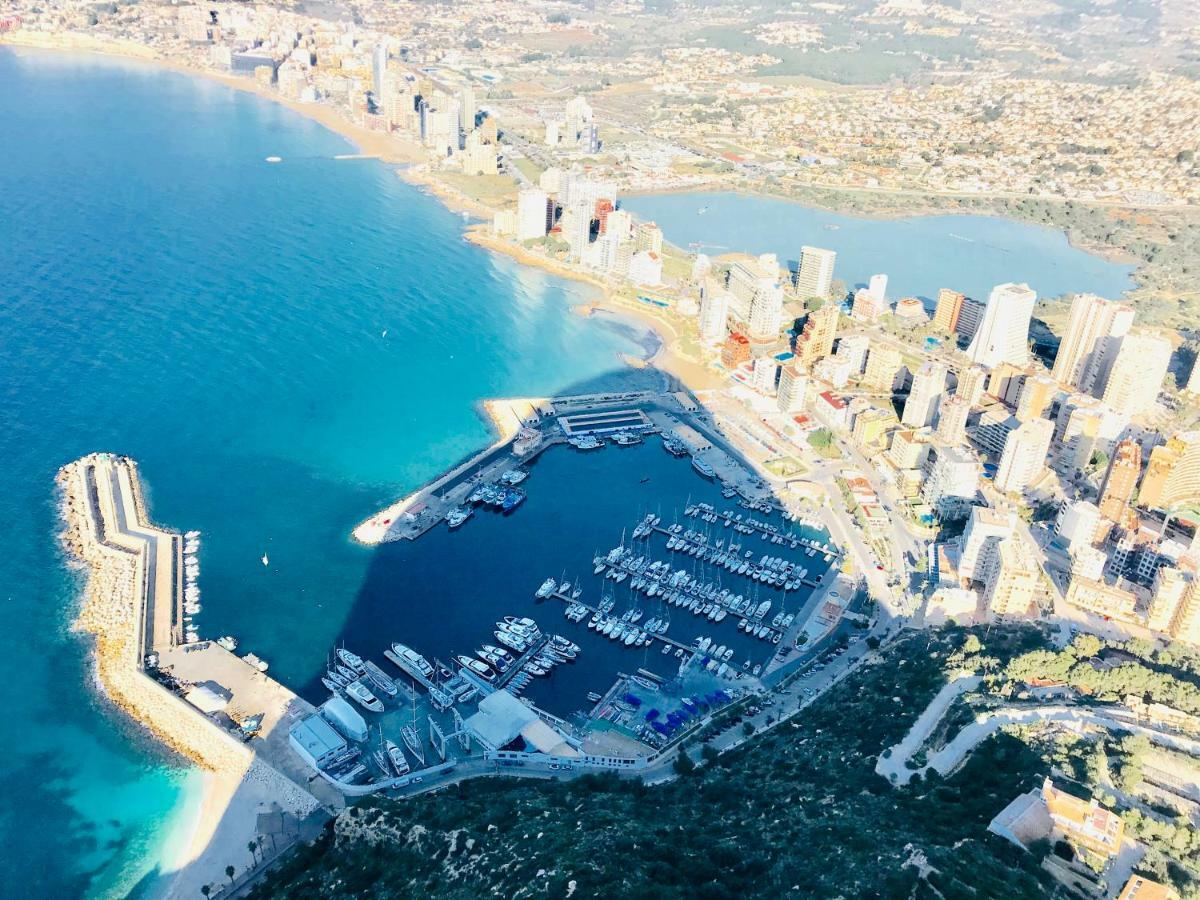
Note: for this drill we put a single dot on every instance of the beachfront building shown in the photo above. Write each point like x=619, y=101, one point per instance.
x=534, y=214
x=1003, y=335
x=1093, y=321
x=949, y=307
x=970, y=315
x=814, y=276
x=714, y=311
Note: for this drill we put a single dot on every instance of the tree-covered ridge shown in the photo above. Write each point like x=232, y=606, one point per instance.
x=797, y=812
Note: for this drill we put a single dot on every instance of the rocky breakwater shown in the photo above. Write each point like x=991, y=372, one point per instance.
x=111, y=611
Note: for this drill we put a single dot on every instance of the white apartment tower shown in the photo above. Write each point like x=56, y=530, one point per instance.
x=1137, y=373
x=1024, y=456
x=1003, y=335
x=793, y=384
x=814, y=276
x=929, y=383
x=1093, y=319
x=714, y=311
x=533, y=214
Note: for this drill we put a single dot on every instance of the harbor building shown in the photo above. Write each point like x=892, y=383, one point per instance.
x=1024, y=458
x=317, y=742
x=948, y=309
x=814, y=275
x=1137, y=373
x=1003, y=335
x=1093, y=320
x=503, y=722
x=1173, y=473
x=928, y=385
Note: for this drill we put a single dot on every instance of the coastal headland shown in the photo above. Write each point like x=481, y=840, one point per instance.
x=132, y=609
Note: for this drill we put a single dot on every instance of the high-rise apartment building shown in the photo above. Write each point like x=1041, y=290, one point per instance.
x=853, y=350
x=866, y=306
x=1173, y=473
x=1137, y=372
x=1024, y=456
x=1003, y=335
x=878, y=287
x=816, y=340
x=714, y=311
x=1037, y=393
x=949, y=307
x=1092, y=320
x=883, y=365
x=1170, y=587
x=533, y=214
x=972, y=383
x=766, y=311
x=793, y=385
x=986, y=528
x=951, y=481
x=952, y=420
x=814, y=277
x=1011, y=581
x=928, y=385
x=970, y=315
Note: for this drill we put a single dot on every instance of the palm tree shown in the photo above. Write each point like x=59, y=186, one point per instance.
x=253, y=848
x=259, y=838
x=229, y=870
x=206, y=889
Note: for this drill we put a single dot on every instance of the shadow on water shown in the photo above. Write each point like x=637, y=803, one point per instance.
x=442, y=593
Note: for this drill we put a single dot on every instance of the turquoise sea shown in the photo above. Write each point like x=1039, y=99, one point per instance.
x=919, y=254
x=169, y=295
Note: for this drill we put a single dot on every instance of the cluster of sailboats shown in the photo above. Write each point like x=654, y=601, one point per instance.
x=191, y=591
x=715, y=658
x=706, y=512
x=626, y=628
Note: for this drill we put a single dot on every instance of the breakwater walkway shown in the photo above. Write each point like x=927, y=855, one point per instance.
x=132, y=608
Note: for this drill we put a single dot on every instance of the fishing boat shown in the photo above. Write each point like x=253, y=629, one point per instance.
x=397, y=758
x=457, y=515
x=359, y=693
x=702, y=467
x=228, y=642
x=514, y=477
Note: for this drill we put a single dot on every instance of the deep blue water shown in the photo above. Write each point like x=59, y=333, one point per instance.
x=169, y=295
x=919, y=254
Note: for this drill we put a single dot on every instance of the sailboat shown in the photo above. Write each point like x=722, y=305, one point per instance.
x=409, y=732
x=265, y=561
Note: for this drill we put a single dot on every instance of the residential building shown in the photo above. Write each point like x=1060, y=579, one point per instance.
x=645, y=268
x=1086, y=825
x=1120, y=481
x=1024, y=458
x=1077, y=523
x=1101, y=598
x=1136, y=374
x=766, y=311
x=647, y=236
x=1003, y=335
x=714, y=311
x=970, y=316
x=972, y=383
x=1037, y=393
x=1011, y=580
x=948, y=309
x=878, y=288
x=1193, y=382
x=986, y=528
x=816, y=340
x=1004, y=383
x=928, y=385
x=1170, y=588
x=1185, y=626
x=909, y=448
x=993, y=428
x=832, y=370
x=534, y=214
x=866, y=306
x=814, y=276
x=1088, y=562
x=735, y=351
x=884, y=363
x=952, y=420
x=1140, y=888
x=853, y=349
x=872, y=427
x=793, y=385
x=1092, y=321
x=1173, y=473
x=951, y=482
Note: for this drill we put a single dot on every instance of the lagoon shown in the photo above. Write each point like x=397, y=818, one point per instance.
x=919, y=254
